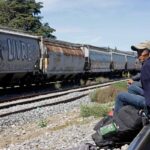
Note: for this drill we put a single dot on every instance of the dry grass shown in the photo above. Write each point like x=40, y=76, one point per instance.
x=108, y=94
x=101, y=80
x=91, y=81
x=103, y=100
x=57, y=85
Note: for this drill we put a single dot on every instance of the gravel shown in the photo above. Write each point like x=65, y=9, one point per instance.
x=44, y=112
x=66, y=129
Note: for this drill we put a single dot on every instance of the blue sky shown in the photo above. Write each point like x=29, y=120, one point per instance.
x=113, y=23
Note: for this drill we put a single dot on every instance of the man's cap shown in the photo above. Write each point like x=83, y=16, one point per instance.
x=141, y=46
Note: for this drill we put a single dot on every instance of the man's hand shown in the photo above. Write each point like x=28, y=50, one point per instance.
x=130, y=81
x=145, y=114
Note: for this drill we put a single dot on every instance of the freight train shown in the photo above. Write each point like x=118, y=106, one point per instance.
x=26, y=59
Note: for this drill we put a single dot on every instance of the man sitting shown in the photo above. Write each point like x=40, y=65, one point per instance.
x=137, y=100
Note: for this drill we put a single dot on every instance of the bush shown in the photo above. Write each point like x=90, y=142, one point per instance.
x=107, y=94
x=82, y=82
x=42, y=123
x=104, y=100
x=121, y=86
x=101, y=79
x=96, y=110
x=103, y=95
x=57, y=85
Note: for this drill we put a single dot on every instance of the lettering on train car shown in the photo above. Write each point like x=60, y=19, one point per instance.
x=19, y=50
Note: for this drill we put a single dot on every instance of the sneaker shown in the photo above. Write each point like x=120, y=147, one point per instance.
x=111, y=113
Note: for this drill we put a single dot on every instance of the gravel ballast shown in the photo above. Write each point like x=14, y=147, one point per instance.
x=56, y=127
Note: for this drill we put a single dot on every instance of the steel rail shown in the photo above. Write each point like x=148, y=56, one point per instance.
x=49, y=96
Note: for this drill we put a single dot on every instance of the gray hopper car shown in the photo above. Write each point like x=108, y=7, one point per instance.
x=62, y=59
x=30, y=59
x=118, y=61
x=19, y=56
x=27, y=59
x=98, y=59
x=106, y=60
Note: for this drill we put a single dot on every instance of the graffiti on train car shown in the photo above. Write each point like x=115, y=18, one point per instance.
x=19, y=50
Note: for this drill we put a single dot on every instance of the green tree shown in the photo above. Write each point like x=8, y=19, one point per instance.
x=24, y=15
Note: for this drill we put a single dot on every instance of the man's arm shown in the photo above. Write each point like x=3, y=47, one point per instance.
x=136, y=77
x=145, y=78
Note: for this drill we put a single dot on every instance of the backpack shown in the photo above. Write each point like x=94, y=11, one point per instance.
x=127, y=124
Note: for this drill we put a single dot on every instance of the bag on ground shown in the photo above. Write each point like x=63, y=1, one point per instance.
x=115, y=131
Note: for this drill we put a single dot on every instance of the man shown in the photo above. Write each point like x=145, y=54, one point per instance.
x=135, y=86
x=145, y=73
x=125, y=98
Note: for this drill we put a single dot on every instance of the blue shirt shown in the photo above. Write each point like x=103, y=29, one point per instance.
x=137, y=77
x=145, y=79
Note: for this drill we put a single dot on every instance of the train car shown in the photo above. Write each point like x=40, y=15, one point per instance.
x=98, y=59
x=19, y=56
x=131, y=62
x=62, y=60
x=138, y=65
x=26, y=59
x=118, y=60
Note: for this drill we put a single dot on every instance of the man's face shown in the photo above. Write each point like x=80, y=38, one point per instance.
x=143, y=55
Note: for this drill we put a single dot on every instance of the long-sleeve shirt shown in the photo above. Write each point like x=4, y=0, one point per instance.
x=137, y=80
x=145, y=79
x=137, y=77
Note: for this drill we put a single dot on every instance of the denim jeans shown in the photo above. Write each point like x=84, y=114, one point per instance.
x=125, y=98
x=137, y=83
x=134, y=89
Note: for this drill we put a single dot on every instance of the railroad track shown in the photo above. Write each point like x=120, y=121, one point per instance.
x=9, y=108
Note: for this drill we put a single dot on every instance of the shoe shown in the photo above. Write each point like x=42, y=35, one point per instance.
x=111, y=113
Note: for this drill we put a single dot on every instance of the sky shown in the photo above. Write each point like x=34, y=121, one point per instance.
x=114, y=23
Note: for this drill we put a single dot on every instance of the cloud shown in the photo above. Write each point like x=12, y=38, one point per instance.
x=61, y=5
x=96, y=39
x=70, y=30
x=78, y=35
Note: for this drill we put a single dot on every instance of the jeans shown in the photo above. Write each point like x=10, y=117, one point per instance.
x=125, y=98
x=133, y=89
x=137, y=83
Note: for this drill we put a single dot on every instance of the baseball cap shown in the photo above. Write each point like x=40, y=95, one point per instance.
x=141, y=46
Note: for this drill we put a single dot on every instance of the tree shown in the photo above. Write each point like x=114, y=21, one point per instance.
x=24, y=15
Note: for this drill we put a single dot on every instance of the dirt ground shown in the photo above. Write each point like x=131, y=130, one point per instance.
x=19, y=134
